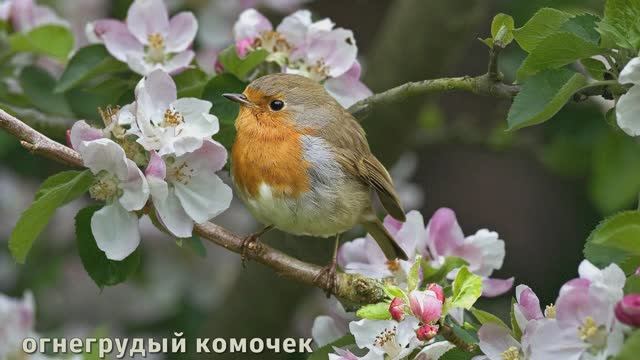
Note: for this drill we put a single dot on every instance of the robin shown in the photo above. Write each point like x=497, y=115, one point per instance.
x=301, y=164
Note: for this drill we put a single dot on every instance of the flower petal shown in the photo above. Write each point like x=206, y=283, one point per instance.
x=434, y=351
x=628, y=110
x=528, y=306
x=179, y=62
x=146, y=17
x=495, y=339
x=104, y=154
x=211, y=157
x=444, y=233
x=631, y=72
x=204, y=197
x=250, y=25
x=81, y=132
x=169, y=210
x=411, y=233
x=365, y=331
x=363, y=256
x=325, y=330
x=492, y=287
x=197, y=120
x=119, y=41
x=135, y=189
x=182, y=31
x=154, y=95
x=336, y=49
x=116, y=231
x=346, y=90
x=295, y=27
x=156, y=167
x=549, y=341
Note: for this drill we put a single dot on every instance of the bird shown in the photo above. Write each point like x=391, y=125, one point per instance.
x=301, y=164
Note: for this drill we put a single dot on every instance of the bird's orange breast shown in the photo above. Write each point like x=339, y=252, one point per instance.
x=268, y=149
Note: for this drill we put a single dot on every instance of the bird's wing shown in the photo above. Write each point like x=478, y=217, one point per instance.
x=352, y=150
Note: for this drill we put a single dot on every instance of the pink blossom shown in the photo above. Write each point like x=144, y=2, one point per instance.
x=628, y=310
x=26, y=15
x=148, y=40
x=437, y=289
x=425, y=305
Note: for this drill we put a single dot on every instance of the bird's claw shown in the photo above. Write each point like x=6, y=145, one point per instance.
x=247, y=243
x=327, y=279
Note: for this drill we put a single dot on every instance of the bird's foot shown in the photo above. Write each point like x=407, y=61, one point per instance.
x=327, y=279
x=249, y=242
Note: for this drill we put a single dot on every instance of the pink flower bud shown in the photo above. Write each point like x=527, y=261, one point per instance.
x=437, y=289
x=638, y=271
x=425, y=306
x=427, y=332
x=396, y=308
x=628, y=310
x=243, y=46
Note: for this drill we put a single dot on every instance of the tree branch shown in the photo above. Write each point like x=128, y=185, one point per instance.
x=481, y=85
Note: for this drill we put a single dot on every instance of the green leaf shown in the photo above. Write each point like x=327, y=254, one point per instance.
x=225, y=110
x=35, y=218
x=621, y=234
x=51, y=40
x=379, y=311
x=555, y=51
x=458, y=354
x=515, y=328
x=487, y=318
x=595, y=68
x=323, y=352
x=191, y=83
x=38, y=87
x=56, y=180
x=544, y=23
x=584, y=26
x=86, y=64
x=502, y=29
x=103, y=271
x=241, y=67
x=615, y=180
x=632, y=285
x=435, y=275
x=542, y=96
x=413, y=278
x=631, y=347
x=393, y=291
x=85, y=102
x=620, y=26
x=467, y=288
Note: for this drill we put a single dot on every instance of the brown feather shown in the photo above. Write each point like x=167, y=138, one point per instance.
x=352, y=150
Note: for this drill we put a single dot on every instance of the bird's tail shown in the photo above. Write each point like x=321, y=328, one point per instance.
x=386, y=242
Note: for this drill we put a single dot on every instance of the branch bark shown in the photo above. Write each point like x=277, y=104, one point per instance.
x=481, y=85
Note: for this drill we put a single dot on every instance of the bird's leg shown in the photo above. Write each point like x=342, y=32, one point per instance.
x=327, y=278
x=251, y=239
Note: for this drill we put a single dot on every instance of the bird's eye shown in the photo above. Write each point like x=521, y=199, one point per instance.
x=276, y=105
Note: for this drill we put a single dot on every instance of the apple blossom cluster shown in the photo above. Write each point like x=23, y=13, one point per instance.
x=170, y=139
x=25, y=15
x=148, y=39
x=440, y=240
x=581, y=325
x=301, y=46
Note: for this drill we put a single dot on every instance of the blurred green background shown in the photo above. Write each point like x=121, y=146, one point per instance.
x=542, y=189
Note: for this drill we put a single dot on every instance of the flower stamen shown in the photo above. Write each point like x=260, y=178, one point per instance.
x=172, y=118
x=512, y=353
x=104, y=188
x=550, y=311
x=155, y=50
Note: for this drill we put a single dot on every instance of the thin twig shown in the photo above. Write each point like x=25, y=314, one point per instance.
x=481, y=85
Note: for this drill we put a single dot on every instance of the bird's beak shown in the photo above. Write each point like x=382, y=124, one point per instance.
x=239, y=98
